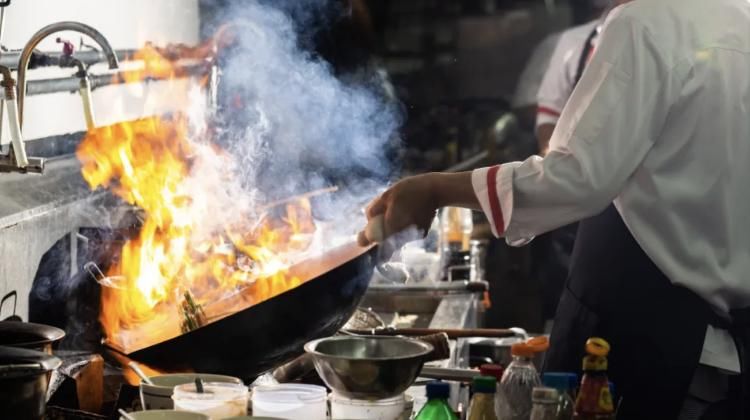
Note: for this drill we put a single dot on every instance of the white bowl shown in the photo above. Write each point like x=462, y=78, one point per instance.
x=159, y=395
x=290, y=401
x=166, y=415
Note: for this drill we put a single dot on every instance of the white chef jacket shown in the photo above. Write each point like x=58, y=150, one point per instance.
x=534, y=71
x=560, y=76
x=660, y=125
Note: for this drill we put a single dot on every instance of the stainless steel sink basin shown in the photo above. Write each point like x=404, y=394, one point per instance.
x=402, y=303
x=431, y=304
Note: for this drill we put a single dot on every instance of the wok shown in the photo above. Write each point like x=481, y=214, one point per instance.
x=263, y=336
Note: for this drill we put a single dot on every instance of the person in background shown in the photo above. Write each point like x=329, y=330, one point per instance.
x=569, y=59
x=652, y=154
x=524, y=102
x=565, y=69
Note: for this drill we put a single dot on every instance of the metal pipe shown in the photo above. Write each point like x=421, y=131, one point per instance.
x=38, y=59
x=73, y=84
x=88, y=106
x=2, y=54
x=23, y=62
x=18, y=151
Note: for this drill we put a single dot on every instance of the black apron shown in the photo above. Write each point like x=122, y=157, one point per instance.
x=656, y=329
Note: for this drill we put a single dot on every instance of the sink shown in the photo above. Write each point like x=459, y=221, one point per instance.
x=441, y=305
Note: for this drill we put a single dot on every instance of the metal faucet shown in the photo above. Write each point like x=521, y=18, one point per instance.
x=16, y=159
x=23, y=62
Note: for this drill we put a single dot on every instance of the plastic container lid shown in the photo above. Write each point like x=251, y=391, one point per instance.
x=545, y=395
x=560, y=380
x=289, y=393
x=398, y=399
x=214, y=391
x=438, y=390
x=484, y=384
x=496, y=371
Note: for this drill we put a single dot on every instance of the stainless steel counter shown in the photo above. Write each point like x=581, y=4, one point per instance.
x=35, y=212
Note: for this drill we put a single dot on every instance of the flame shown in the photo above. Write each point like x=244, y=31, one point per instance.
x=151, y=163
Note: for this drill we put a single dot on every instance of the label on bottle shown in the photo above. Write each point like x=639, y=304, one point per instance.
x=605, y=400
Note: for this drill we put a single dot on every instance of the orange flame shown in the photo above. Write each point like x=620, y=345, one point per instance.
x=149, y=164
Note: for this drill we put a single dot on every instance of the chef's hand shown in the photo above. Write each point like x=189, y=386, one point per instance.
x=410, y=202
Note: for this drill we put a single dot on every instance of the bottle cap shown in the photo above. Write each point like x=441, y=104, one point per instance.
x=597, y=350
x=562, y=381
x=484, y=384
x=438, y=389
x=496, y=371
x=530, y=347
x=545, y=395
x=521, y=349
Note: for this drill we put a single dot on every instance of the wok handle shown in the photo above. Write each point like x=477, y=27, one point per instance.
x=452, y=333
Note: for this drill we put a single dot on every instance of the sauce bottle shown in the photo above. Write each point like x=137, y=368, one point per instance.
x=482, y=406
x=594, y=401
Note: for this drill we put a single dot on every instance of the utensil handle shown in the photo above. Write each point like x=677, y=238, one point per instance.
x=452, y=333
x=441, y=346
x=295, y=369
x=448, y=374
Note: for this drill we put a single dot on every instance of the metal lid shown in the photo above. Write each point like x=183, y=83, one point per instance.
x=28, y=334
x=19, y=361
x=544, y=395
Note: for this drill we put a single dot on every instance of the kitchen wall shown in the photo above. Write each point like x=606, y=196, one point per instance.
x=127, y=24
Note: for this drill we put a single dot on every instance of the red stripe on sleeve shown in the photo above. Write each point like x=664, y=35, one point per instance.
x=497, y=213
x=548, y=111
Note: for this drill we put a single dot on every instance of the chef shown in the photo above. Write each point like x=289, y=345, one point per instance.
x=658, y=126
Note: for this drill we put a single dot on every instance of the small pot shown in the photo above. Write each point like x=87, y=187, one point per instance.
x=24, y=377
x=29, y=335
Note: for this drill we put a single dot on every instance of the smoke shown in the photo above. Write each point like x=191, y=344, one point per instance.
x=290, y=121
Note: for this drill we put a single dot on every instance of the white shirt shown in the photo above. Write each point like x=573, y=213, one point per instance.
x=533, y=72
x=658, y=124
x=560, y=76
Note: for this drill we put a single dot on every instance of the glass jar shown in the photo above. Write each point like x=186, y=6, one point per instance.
x=545, y=403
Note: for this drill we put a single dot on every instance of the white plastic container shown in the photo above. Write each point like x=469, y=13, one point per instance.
x=290, y=401
x=219, y=400
x=386, y=409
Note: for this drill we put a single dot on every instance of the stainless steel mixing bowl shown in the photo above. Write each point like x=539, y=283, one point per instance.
x=368, y=367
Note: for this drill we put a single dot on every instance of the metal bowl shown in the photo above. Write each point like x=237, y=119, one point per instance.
x=368, y=367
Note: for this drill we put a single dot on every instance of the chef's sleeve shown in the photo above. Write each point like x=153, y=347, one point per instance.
x=605, y=131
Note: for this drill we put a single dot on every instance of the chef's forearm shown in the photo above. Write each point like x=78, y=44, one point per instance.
x=454, y=189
